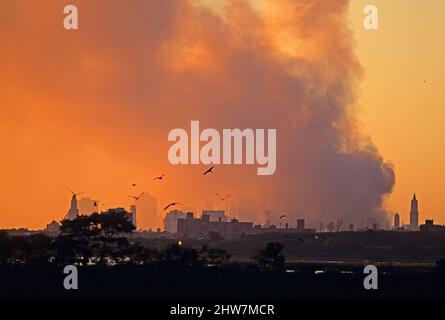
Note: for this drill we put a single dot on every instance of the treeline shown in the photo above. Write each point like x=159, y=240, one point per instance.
x=101, y=239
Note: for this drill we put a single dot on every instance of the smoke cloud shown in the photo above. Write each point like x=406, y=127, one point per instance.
x=92, y=108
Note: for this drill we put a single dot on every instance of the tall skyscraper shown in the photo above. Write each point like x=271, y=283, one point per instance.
x=73, y=212
x=396, y=221
x=414, y=214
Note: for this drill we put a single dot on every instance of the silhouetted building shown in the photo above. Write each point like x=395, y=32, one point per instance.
x=52, y=228
x=171, y=220
x=73, y=212
x=133, y=214
x=273, y=229
x=429, y=226
x=405, y=227
x=215, y=215
x=300, y=224
x=191, y=227
x=414, y=214
x=266, y=228
x=396, y=221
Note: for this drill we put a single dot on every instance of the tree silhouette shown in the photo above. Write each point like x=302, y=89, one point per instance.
x=35, y=249
x=271, y=258
x=96, y=238
x=99, y=224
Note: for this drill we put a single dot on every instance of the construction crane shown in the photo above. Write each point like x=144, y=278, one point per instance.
x=339, y=224
x=226, y=199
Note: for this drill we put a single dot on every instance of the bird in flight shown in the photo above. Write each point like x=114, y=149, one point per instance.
x=171, y=204
x=137, y=197
x=210, y=170
x=283, y=216
x=160, y=177
x=133, y=185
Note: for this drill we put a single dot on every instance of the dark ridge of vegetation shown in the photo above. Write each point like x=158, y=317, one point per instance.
x=348, y=246
x=271, y=257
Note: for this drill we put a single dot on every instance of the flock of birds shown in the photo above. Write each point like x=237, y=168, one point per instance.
x=172, y=204
x=160, y=178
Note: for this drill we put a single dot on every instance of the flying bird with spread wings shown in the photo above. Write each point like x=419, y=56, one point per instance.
x=162, y=176
x=171, y=205
x=210, y=170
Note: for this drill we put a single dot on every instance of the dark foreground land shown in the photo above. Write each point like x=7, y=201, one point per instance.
x=115, y=263
x=299, y=281
x=371, y=245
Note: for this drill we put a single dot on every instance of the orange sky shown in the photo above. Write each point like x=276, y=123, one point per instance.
x=403, y=115
x=86, y=109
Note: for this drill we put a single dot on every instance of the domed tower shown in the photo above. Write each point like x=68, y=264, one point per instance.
x=414, y=214
x=396, y=221
x=73, y=212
